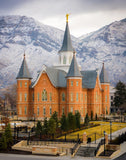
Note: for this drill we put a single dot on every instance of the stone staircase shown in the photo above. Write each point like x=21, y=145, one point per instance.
x=85, y=151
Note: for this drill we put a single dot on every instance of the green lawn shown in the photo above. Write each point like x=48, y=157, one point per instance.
x=104, y=126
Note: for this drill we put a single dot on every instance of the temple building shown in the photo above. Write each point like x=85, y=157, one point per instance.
x=62, y=88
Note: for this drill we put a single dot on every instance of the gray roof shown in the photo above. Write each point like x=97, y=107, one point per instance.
x=24, y=72
x=74, y=69
x=89, y=79
x=67, y=44
x=104, y=75
x=58, y=78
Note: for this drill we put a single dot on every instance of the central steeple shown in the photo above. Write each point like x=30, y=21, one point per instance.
x=66, y=51
x=67, y=44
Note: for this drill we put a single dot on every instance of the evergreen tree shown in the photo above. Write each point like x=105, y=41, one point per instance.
x=8, y=134
x=51, y=126
x=55, y=117
x=3, y=142
x=45, y=126
x=71, y=121
x=96, y=117
x=91, y=115
x=64, y=123
x=120, y=94
x=39, y=128
x=77, y=116
x=86, y=122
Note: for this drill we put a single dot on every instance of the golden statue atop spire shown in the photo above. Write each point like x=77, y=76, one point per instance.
x=67, y=15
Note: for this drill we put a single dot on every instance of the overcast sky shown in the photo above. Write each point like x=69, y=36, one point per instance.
x=85, y=15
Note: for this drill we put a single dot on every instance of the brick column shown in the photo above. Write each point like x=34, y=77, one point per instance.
x=84, y=138
x=106, y=138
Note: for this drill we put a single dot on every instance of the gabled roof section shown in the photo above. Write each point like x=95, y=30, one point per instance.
x=57, y=77
x=74, y=69
x=104, y=75
x=89, y=79
x=67, y=44
x=24, y=71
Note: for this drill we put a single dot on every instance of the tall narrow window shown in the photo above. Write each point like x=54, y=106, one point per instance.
x=76, y=96
x=64, y=60
x=63, y=96
x=25, y=84
x=38, y=111
x=50, y=96
x=25, y=110
x=71, y=96
x=106, y=110
x=44, y=111
x=32, y=96
x=44, y=95
x=25, y=96
x=96, y=96
x=85, y=111
x=76, y=83
x=82, y=97
x=50, y=110
x=71, y=109
x=105, y=98
x=38, y=97
x=70, y=60
x=62, y=110
x=85, y=97
x=105, y=87
x=82, y=110
x=20, y=110
x=20, y=84
x=20, y=97
x=71, y=83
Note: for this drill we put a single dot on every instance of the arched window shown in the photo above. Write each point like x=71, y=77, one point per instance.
x=44, y=111
x=38, y=110
x=50, y=110
x=62, y=110
x=44, y=95
x=25, y=110
x=63, y=96
x=64, y=60
x=20, y=110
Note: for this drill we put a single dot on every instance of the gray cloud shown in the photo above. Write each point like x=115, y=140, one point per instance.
x=52, y=7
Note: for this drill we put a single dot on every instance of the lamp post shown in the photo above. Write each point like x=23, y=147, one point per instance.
x=104, y=143
x=110, y=131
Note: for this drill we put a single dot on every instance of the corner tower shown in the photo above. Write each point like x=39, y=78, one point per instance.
x=66, y=51
x=74, y=87
x=23, y=84
x=105, y=93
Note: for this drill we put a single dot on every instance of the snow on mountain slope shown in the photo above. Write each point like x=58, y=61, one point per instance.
x=41, y=44
x=107, y=45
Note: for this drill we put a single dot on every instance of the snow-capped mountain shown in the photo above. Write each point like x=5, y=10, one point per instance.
x=41, y=43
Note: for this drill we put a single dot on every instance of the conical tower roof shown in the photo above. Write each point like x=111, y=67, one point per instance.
x=104, y=75
x=24, y=72
x=67, y=44
x=74, y=69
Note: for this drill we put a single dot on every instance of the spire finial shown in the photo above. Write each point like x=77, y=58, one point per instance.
x=24, y=54
x=74, y=53
x=67, y=15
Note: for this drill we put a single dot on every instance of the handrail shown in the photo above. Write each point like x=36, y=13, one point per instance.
x=99, y=144
x=75, y=147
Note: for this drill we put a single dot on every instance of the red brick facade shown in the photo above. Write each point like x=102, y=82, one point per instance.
x=73, y=98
